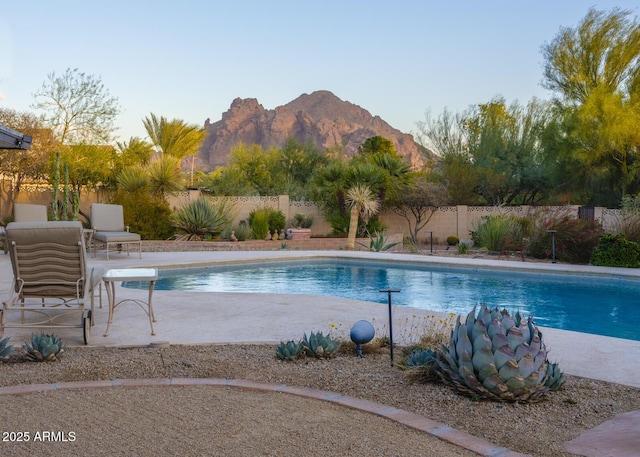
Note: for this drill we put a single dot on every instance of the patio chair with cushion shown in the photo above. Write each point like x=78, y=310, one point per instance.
x=23, y=212
x=52, y=283
x=109, y=231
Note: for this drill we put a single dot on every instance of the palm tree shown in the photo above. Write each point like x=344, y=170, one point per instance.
x=174, y=137
x=133, y=179
x=164, y=175
x=363, y=201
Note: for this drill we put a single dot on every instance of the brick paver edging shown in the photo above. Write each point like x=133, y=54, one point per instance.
x=414, y=421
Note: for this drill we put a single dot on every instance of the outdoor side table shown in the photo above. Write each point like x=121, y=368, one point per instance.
x=130, y=274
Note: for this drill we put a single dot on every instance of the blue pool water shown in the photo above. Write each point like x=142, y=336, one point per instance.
x=605, y=306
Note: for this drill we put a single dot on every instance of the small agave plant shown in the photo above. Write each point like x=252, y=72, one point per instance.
x=289, y=350
x=44, y=348
x=422, y=365
x=498, y=357
x=5, y=350
x=555, y=378
x=421, y=358
x=319, y=345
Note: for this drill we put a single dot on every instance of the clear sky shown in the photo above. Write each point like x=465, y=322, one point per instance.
x=189, y=59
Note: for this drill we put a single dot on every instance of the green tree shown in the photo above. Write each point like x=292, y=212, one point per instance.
x=491, y=153
x=418, y=203
x=506, y=151
x=594, y=69
x=376, y=144
x=89, y=165
x=299, y=162
x=250, y=171
x=447, y=137
x=174, y=137
x=77, y=107
x=20, y=166
x=602, y=52
x=134, y=152
x=328, y=188
x=381, y=167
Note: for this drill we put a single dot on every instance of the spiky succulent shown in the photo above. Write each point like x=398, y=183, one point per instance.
x=420, y=358
x=496, y=356
x=319, y=345
x=4, y=349
x=421, y=365
x=555, y=377
x=44, y=348
x=289, y=350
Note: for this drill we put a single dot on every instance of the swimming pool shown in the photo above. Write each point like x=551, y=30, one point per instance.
x=605, y=306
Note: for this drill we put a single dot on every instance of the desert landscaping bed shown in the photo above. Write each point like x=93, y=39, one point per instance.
x=538, y=429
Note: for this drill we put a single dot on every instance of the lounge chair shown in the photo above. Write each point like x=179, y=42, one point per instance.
x=23, y=212
x=51, y=277
x=107, y=222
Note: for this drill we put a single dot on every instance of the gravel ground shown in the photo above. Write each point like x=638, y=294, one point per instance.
x=538, y=429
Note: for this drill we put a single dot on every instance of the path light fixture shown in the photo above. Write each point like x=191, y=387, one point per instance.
x=430, y=240
x=553, y=245
x=361, y=333
x=389, y=292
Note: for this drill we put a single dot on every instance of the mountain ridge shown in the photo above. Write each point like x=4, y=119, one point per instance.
x=321, y=118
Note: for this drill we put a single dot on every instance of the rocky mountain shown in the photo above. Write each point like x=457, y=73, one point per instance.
x=320, y=118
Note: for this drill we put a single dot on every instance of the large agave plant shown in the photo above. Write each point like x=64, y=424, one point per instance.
x=497, y=357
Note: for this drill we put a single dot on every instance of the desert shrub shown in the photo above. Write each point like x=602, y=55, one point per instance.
x=340, y=224
x=145, y=214
x=452, y=240
x=241, y=231
x=374, y=225
x=616, y=251
x=576, y=239
x=259, y=223
x=201, y=218
x=498, y=233
x=275, y=222
x=463, y=248
x=299, y=220
x=628, y=221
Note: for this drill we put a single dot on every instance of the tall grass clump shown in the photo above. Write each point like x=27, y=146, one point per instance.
x=259, y=223
x=499, y=233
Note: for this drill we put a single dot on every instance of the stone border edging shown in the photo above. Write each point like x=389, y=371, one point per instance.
x=408, y=419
